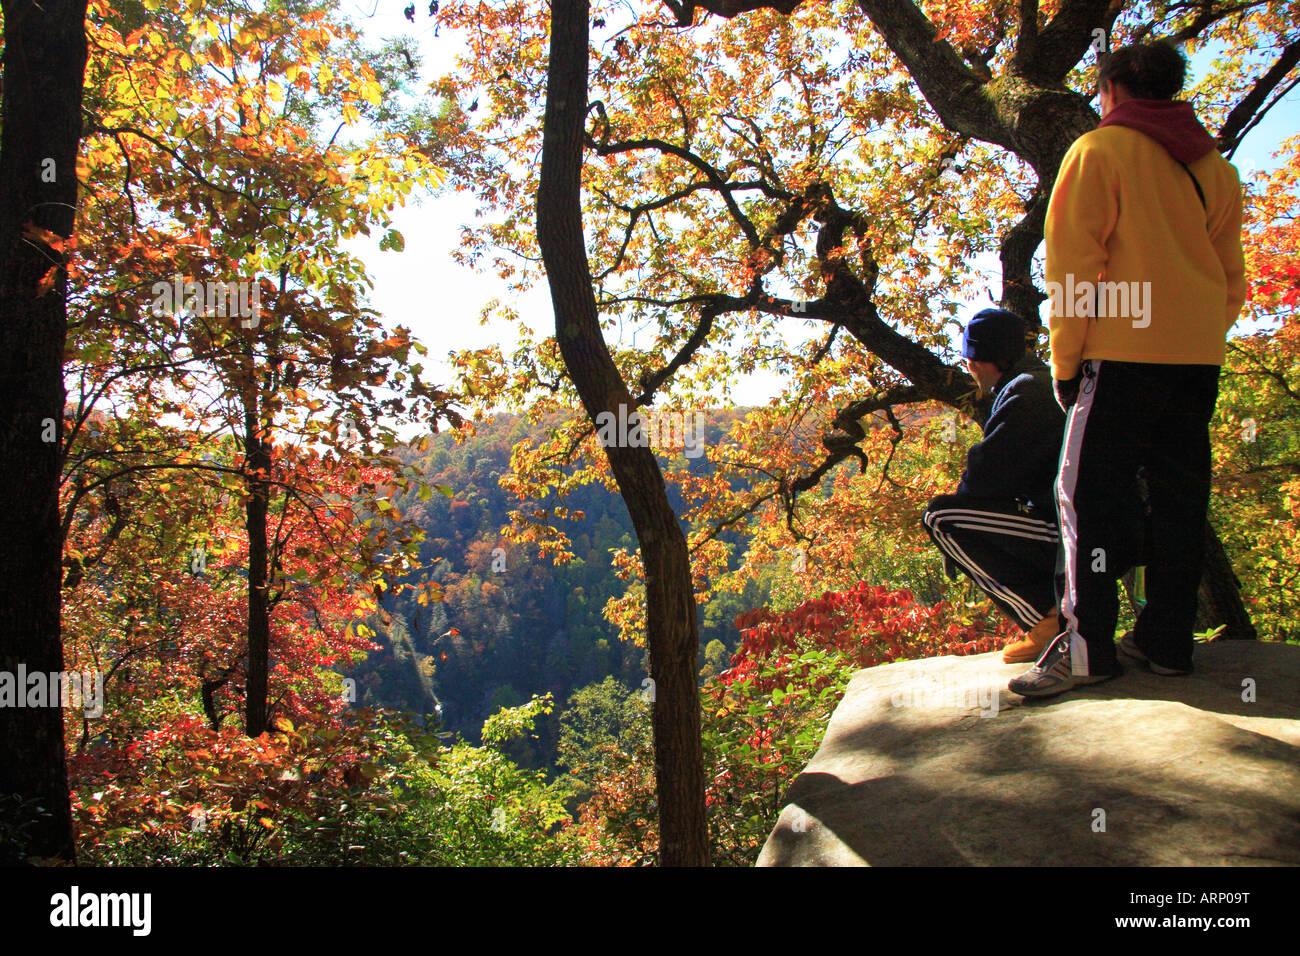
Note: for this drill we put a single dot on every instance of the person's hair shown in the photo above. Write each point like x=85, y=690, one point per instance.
x=1005, y=364
x=1152, y=71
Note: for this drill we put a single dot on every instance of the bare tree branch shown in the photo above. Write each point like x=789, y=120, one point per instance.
x=1247, y=113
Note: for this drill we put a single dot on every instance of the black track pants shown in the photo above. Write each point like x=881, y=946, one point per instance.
x=1008, y=553
x=1132, y=415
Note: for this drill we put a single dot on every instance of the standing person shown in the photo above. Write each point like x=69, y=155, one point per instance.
x=1146, y=277
x=1000, y=525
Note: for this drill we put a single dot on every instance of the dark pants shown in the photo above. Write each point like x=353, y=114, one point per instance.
x=1132, y=415
x=1007, y=551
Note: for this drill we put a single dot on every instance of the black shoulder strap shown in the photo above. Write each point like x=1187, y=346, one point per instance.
x=1199, y=193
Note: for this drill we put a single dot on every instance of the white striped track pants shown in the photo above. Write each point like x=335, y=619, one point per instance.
x=1008, y=553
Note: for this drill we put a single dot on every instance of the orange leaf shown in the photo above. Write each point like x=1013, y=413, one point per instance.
x=47, y=281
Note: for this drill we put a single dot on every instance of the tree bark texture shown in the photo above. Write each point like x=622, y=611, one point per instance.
x=258, y=469
x=44, y=67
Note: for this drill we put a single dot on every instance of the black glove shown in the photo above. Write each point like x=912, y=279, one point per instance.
x=1066, y=391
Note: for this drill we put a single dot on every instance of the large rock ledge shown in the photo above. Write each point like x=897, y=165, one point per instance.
x=935, y=762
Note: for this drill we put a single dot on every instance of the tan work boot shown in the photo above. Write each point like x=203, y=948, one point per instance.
x=1032, y=643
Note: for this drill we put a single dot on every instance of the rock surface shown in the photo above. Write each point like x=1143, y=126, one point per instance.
x=935, y=762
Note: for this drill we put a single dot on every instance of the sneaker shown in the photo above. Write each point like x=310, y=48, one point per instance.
x=1129, y=648
x=1053, y=674
x=1033, y=642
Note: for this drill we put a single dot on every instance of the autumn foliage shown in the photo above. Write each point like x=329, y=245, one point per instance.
x=770, y=195
x=866, y=626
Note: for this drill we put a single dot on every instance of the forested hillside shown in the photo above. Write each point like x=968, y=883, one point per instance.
x=511, y=623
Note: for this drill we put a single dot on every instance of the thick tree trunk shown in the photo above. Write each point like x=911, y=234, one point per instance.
x=258, y=467
x=1218, y=600
x=44, y=66
x=671, y=628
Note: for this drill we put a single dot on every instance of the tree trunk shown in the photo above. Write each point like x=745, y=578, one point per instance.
x=258, y=468
x=40, y=113
x=1218, y=599
x=671, y=627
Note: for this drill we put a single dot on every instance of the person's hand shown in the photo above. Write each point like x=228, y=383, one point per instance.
x=1066, y=391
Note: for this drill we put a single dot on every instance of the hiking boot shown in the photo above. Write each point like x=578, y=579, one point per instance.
x=1052, y=674
x=1033, y=642
x=1129, y=648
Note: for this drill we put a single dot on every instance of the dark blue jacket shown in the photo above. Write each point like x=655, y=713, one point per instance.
x=1019, y=454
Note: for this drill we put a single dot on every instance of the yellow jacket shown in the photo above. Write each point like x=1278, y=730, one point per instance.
x=1137, y=270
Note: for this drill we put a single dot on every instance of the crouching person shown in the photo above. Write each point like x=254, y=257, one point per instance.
x=1000, y=526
